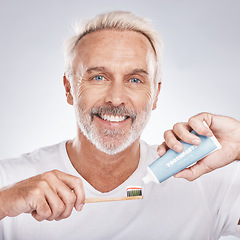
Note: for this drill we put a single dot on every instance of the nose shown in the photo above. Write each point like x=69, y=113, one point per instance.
x=116, y=94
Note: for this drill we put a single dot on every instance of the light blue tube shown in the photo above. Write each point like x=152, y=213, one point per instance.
x=173, y=162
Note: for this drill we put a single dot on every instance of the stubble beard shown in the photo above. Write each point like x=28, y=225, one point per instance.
x=111, y=141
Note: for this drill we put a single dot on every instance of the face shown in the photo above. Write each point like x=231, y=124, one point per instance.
x=113, y=87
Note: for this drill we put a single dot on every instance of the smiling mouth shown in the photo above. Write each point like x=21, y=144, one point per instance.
x=113, y=114
x=113, y=118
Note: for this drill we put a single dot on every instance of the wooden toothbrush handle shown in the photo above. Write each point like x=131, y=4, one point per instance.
x=99, y=199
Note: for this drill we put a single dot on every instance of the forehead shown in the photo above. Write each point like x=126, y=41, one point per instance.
x=115, y=46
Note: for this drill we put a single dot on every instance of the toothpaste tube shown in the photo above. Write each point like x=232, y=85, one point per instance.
x=172, y=162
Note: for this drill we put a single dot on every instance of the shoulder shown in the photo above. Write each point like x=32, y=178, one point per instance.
x=30, y=164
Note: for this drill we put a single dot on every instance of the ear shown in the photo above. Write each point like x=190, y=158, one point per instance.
x=67, y=86
x=156, y=98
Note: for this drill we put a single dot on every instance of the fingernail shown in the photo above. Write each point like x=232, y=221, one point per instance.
x=209, y=134
x=196, y=141
x=176, y=175
x=79, y=207
x=160, y=151
x=177, y=148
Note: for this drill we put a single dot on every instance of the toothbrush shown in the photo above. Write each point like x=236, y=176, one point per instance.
x=133, y=193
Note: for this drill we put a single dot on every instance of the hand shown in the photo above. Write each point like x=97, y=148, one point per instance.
x=51, y=195
x=225, y=129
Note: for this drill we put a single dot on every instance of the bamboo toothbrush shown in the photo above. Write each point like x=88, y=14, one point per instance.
x=133, y=193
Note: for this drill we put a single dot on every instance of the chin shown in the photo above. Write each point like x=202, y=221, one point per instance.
x=114, y=146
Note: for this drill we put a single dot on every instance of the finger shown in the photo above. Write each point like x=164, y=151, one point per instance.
x=64, y=192
x=162, y=149
x=56, y=204
x=186, y=174
x=42, y=211
x=68, y=197
x=172, y=142
x=197, y=124
x=75, y=184
x=195, y=171
x=182, y=131
x=46, y=203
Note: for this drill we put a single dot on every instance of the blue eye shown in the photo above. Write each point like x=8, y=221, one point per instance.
x=98, y=78
x=135, y=80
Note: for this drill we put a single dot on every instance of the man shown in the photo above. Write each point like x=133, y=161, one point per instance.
x=112, y=79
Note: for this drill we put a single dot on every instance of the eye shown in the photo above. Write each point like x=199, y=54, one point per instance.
x=98, y=78
x=135, y=80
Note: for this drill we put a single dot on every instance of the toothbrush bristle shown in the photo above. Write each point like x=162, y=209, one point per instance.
x=134, y=191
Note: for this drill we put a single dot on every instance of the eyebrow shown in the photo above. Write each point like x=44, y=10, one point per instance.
x=103, y=69
x=98, y=69
x=139, y=70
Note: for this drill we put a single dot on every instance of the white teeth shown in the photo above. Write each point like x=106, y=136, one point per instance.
x=112, y=118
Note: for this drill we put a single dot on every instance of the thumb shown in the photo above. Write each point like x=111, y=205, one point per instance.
x=195, y=171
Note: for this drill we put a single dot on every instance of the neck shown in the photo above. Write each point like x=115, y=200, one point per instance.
x=104, y=172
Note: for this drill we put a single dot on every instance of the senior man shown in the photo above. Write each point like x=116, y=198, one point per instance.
x=112, y=79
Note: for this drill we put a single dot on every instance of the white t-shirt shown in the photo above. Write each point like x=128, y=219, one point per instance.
x=175, y=209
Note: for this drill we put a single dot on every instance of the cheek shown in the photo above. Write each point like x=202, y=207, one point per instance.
x=87, y=95
x=141, y=99
x=143, y=93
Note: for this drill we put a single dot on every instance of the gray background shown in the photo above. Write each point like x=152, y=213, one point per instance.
x=200, y=65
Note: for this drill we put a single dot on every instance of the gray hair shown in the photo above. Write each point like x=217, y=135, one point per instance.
x=113, y=20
